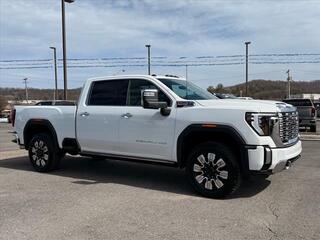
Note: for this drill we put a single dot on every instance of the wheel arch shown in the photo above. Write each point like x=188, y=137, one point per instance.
x=35, y=126
x=195, y=134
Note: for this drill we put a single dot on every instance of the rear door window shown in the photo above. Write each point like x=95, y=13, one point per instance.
x=108, y=93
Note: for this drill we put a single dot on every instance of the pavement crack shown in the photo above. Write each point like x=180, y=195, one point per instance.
x=274, y=233
x=274, y=210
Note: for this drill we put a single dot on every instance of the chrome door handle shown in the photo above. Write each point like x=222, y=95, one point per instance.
x=84, y=114
x=126, y=115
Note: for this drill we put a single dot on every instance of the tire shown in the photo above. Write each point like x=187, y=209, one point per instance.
x=44, y=154
x=313, y=128
x=216, y=162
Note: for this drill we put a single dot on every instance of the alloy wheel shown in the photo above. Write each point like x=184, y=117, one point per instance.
x=210, y=171
x=40, y=153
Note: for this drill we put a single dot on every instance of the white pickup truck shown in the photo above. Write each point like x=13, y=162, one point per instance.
x=165, y=120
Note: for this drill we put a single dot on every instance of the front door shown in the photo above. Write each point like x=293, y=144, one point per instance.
x=143, y=132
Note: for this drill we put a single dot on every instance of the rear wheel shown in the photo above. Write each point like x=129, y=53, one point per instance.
x=213, y=170
x=313, y=128
x=44, y=155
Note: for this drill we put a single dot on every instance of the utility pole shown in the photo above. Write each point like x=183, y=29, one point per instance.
x=26, y=88
x=64, y=47
x=55, y=92
x=186, y=81
x=247, y=55
x=149, y=60
x=289, y=78
x=186, y=72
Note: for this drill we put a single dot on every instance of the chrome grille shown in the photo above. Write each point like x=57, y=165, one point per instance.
x=288, y=126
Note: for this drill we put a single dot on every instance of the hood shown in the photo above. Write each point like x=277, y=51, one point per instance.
x=247, y=105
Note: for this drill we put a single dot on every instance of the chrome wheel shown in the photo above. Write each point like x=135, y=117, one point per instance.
x=210, y=171
x=40, y=153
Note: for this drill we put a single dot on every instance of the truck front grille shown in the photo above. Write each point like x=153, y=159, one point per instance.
x=288, y=126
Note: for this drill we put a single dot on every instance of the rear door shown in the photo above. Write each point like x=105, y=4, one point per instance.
x=98, y=116
x=143, y=132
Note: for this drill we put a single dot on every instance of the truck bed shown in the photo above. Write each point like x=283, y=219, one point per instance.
x=62, y=119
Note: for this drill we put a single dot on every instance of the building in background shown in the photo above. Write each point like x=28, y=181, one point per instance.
x=313, y=96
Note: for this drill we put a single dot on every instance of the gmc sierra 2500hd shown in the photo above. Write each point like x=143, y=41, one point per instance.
x=167, y=120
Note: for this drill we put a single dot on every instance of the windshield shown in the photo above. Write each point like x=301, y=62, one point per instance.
x=186, y=89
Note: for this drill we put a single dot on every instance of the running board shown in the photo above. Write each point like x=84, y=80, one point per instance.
x=130, y=158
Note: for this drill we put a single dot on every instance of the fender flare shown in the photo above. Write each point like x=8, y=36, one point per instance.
x=212, y=128
x=39, y=122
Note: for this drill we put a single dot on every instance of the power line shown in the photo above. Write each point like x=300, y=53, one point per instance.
x=165, y=57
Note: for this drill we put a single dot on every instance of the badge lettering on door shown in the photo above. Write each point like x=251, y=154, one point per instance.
x=150, y=142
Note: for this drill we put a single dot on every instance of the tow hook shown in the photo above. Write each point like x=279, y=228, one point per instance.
x=288, y=165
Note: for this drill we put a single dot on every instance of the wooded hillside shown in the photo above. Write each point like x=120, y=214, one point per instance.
x=268, y=89
x=258, y=89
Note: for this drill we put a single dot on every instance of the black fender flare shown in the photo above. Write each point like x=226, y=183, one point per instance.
x=39, y=122
x=212, y=128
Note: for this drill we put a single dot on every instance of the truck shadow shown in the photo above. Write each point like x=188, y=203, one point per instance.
x=86, y=171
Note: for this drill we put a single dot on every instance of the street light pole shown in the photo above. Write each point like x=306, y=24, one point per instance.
x=149, y=60
x=289, y=79
x=55, y=92
x=64, y=47
x=26, y=89
x=247, y=49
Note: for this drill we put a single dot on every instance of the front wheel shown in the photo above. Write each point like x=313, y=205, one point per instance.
x=43, y=153
x=213, y=170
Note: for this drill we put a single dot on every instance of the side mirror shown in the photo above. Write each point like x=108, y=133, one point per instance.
x=150, y=100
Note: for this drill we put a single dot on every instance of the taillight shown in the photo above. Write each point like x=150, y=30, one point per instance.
x=313, y=112
x=13, y=116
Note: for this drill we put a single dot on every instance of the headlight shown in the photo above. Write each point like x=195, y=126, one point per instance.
x=262, y=123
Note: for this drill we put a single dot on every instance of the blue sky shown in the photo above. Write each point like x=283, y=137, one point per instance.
x=105, y=29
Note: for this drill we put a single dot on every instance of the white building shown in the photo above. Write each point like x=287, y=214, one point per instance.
x=313, y=96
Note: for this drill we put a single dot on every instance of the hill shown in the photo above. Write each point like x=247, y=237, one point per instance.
x=269, y=89
x=258, y=89
x=36, y=94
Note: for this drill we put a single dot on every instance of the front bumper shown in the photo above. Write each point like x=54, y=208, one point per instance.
x=266, y=159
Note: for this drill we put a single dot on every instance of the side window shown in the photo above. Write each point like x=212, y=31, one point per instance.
x=135, y=89
x=108, y=93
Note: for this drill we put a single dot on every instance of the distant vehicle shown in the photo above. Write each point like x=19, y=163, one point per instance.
x=317, y=106
x=3, y=119
x=161, y=119
x=224, y=95
x=307, y=112
x=5, y=116
x=56, y=103
x=245, y=98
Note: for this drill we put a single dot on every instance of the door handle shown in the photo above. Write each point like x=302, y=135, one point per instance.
x=126, y=115
x=84, y=114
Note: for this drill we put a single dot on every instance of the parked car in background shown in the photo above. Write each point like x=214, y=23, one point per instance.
x=317, y=106
x=224, y=95
x=3, y=119
x=57, y=103
x=307, y=112
x=245, y=98
x=5, y=116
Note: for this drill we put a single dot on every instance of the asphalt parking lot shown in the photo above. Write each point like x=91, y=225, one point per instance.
x=122, y=200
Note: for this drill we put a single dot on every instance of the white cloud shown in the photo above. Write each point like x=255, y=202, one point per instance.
x=173, y=28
